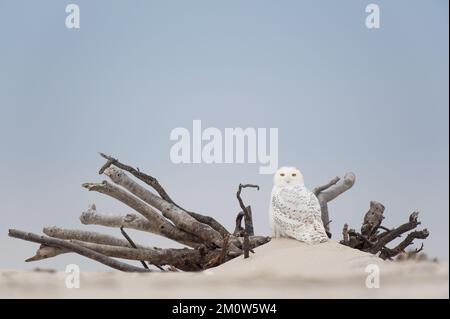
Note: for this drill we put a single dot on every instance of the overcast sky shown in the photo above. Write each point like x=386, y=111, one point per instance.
x=343, y=97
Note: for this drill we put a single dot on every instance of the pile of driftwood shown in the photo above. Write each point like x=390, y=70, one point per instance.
x=207, y=242
x=374, y=237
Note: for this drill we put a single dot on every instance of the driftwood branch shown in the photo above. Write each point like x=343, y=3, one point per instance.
x=178, y=216
x=371, y=240
x=372, y=219
x=154, y=183
x=86, y=252
x=149, y=180
x=45, y=252
x=319, y=189
x=396, y=232
x=246, y=210
x=330, y=191
x=164, y=227
x=246, y=214
x=183, y=259
x=132, y=221
x=387, y=253
x=87, y=236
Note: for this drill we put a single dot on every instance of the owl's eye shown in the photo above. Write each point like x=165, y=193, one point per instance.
x=281, y=174
x=293, y=174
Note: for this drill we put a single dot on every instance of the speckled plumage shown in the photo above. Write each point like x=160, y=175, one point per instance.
x=294, y=210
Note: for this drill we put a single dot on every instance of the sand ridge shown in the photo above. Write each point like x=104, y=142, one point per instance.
x=282, y=268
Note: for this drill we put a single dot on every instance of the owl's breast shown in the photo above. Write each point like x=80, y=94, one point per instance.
x=294, y=201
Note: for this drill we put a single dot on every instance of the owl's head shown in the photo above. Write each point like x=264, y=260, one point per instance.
x=288, y=176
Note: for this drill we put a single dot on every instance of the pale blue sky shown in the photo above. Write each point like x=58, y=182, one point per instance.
x=343, y=97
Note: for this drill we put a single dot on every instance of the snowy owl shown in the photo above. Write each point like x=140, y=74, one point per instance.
x=294, y=210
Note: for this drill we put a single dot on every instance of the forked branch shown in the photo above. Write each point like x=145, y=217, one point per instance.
x=330, y=191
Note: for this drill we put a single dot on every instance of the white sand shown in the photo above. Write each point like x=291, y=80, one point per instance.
x=282, y=268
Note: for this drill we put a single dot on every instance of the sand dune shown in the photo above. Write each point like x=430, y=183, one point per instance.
x=283, y=268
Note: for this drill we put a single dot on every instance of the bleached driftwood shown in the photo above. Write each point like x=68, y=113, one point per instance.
x=185, y=259
x=89, y=253
x=330, y=191
x=45, y=252
x=132, y=221
x=179, y=217
x=87, y=236
x=211, y=244
x=164, y=227
x=154, y=183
